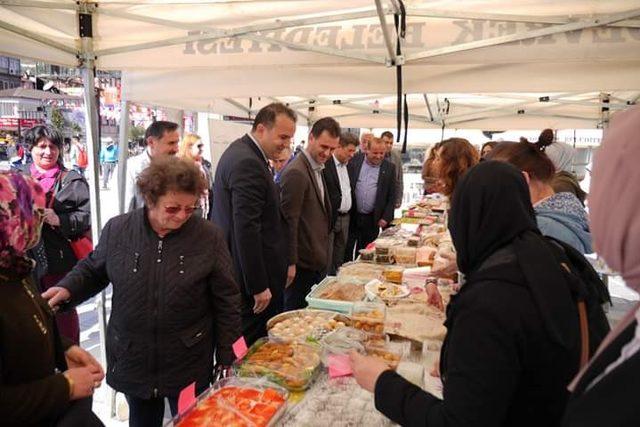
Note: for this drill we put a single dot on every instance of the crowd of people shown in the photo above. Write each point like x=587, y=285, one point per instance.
x=199, y=261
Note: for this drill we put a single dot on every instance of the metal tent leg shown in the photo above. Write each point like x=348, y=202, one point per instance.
x=123, y=147
x=87, y=65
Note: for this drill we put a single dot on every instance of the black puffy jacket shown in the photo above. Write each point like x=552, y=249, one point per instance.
x=174, y=302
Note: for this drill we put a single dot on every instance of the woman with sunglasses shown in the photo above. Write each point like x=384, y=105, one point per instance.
x=191, y=148
x=174, y=297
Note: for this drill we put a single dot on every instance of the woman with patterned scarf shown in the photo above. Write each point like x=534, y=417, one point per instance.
x=42, y=379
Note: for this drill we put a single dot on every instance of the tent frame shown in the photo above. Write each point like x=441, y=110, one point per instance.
x=87, y=57
x=556, y=25
x=598, y=21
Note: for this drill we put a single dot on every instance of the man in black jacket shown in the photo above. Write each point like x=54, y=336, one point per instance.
x=336, y=176
x=373, y=194
x=246, y=205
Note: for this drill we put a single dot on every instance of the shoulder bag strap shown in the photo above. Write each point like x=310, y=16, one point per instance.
x=584, y=327
x=56, y=187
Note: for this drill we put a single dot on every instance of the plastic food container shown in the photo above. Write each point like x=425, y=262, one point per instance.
x=336, y=294
x=236, y=402
x=414, y=241
x=405, y=255
x=342, y=341
x=393, y=274
x=360, y=272
x=382, y=248
x=305, y=325
x=388, y=355
x=367, y=255
x=369, y=317
x=384, y=259
x=292, y=365
x=333, y=402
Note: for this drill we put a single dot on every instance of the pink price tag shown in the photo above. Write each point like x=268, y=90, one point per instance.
x=339, y=365
x=240, y=348
x=187, y=398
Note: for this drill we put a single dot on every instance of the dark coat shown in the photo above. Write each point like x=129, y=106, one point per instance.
x=246, y=206
x=385, y=196
x=208, y=167
x=613, y=400
x=333, y=185
x=174, y=302
x=31, y=392
x=73, y=207
x=308, y=217
x=499, y=366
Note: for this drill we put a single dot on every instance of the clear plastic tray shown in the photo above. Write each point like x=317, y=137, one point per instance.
x=333, y=402
x=342, y=341
x=369, y=317
x=291, y=365
x=238, y=402
x=315, y=301
x=393, y=274
x=305, y=325
x=360, y=271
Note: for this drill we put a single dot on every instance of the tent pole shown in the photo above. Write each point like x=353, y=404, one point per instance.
x=385, y=31
x=123, y=153
x=87, y=64
x=93, y=145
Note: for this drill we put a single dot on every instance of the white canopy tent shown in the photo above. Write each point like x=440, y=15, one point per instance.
x=192, y=54
x=527, y=63
x=557, y=62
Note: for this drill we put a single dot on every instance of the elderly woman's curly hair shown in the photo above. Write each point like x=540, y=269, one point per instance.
x=169, y=173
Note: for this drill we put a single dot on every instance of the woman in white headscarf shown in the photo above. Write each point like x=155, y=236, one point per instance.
x=606, y=391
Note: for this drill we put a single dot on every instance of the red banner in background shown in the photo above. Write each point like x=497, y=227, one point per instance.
x=8, y=123
x=11, y=123
x=29, y=123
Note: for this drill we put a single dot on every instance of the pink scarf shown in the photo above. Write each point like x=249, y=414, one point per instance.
x=614, y=199
x=614, y=204
x=46, y=179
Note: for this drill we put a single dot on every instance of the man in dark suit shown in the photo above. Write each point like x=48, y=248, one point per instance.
x=336, y=176
x=396, y=158
x=246, y=205
x=307, y=209
x=373, y=189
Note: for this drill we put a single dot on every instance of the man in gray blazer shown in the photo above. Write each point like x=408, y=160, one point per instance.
x=307, y=209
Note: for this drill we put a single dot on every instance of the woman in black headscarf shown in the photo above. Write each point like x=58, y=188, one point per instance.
x=513, y=341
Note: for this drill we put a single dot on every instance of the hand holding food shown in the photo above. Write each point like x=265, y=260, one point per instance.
x=366, y=370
